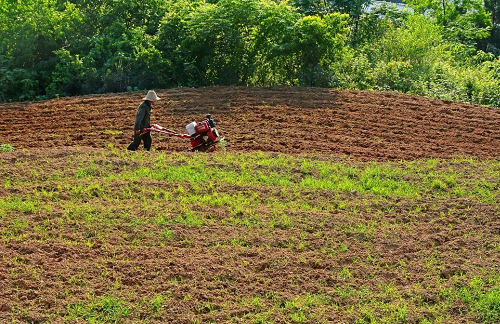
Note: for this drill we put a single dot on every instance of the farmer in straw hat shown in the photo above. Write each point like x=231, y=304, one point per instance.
x=142, y=122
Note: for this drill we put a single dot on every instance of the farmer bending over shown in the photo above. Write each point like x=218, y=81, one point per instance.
x=142, y=122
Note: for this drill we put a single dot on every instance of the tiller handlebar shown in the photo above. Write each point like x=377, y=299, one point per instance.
x=165, y=131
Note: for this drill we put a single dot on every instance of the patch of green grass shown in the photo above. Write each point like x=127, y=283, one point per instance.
x=6, y=148
x=156, y=305
x=485, y=302
x=112, y=132
x=300, y=309
x=383, y=313
x=488, y=306
x=190, y=218
x=26, y=205
x=86, y=172
x=167, y=234
x=105, y=309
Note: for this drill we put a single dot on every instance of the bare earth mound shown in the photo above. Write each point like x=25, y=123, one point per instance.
x=360, y=124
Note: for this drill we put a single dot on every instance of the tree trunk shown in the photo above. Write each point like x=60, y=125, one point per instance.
x=444, y=12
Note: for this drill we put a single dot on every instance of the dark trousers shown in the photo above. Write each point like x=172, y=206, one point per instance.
x=146, y=137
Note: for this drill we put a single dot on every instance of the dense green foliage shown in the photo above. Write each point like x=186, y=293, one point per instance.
x=445, y=49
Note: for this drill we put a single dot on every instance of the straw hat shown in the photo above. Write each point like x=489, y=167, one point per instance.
x=151, y=96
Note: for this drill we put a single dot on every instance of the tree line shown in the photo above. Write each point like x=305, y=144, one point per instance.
x=446, y=49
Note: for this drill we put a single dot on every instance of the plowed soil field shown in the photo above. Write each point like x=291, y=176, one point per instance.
x=364, y=125
x=323, y=206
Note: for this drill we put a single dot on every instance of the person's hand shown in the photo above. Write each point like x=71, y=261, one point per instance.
x=137, y=131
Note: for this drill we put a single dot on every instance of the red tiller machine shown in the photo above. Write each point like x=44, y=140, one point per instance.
x=203, y=135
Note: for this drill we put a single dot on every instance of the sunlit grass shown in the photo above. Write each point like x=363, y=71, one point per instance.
x=321, y=209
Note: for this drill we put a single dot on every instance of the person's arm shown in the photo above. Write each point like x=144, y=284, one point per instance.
x=141, y=112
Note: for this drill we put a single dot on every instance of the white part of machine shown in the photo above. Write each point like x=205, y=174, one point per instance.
x=191, y=128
